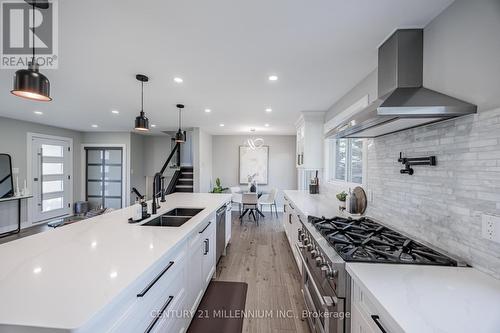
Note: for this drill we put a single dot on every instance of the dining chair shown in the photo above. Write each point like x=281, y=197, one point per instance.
x=250, y=203
x=270, y=199
x=236, y=196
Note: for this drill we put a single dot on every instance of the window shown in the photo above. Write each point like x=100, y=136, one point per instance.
x=345, y=160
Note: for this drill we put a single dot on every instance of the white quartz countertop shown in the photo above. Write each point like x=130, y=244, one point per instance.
x=433, y=299
x=316, y=204
x=63, y=277
x=420, y=298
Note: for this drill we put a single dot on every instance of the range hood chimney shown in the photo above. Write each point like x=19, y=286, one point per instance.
x=402, y=101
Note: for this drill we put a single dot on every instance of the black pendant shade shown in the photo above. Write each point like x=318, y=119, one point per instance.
x=141, y=121
x=179, y=136
x=30, y=83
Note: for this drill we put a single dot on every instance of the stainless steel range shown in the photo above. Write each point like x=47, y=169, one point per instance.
x=325, y=245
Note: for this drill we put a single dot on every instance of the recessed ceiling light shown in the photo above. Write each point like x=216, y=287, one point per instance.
x=273, y=78
x=113, y=275
x=95, y=126
x=115, y=111
x=153, y=125
x=267, y=125
x=208, y=110
x=38, y=112
x=37, y=270
x=178, y=80
x=269, y=110
x=221, y=125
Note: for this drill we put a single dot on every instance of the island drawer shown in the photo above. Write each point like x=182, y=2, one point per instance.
x=140, y=316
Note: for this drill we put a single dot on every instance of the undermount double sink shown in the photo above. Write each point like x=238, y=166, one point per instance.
x=173, y=218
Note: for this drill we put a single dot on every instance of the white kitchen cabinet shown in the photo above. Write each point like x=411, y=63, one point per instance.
x=151, y=295
x=201, y=261
x=208, y=267
x=310, y=140
x=366, y=315
x=291, y=224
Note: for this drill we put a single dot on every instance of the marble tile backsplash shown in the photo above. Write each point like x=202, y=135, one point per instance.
x=441, y=205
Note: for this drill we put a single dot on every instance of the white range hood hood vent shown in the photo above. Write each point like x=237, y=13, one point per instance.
x=402, y=100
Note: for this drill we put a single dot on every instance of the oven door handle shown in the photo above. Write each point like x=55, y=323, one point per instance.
x=326, y=301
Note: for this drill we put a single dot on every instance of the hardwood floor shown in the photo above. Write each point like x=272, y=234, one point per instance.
x=26, y=232
x=261, y=256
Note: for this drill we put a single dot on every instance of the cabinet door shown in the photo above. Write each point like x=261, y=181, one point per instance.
x=195, y=273
x=208, y=245
x=358, y=322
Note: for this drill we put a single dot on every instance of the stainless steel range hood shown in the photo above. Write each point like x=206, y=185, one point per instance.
x=402, y=100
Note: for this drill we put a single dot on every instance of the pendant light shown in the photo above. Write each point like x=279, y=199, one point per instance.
x=141, y=121
x=179, y=136
x=30, y=83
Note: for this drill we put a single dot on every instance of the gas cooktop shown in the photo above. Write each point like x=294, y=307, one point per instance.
x=364, y=240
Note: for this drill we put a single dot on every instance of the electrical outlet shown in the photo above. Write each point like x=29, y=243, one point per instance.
x=490, y=228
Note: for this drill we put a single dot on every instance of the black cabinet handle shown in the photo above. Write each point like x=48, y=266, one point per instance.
x=152, y=283
x=376, y=319
x=203, y=230
x=290, y=218
x=162, y=310
x=291, y=206
x=207, y=246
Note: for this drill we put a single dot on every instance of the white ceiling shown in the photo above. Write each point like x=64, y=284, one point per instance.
x=223, y=49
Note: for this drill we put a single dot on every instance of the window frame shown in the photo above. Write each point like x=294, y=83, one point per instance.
x=330, y=167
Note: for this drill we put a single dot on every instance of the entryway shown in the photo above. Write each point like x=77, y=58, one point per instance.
x=51, y=176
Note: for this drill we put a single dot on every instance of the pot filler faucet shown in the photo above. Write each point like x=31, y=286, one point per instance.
x=159, y=182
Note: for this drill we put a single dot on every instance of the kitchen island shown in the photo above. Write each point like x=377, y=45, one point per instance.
x=104, y=274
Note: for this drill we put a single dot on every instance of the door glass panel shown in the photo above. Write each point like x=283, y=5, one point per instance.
x=53, y=186
x=113, y=189
x=95, y=202
x=52, y=204
x=94, y=172
x=52, y=151
x=113, y=156
x=94, y=156
x=113, y=203
x=94, y=188
x=52, y=168
x=112, y=172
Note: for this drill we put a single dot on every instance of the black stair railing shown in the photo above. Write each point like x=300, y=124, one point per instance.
x=159, y=181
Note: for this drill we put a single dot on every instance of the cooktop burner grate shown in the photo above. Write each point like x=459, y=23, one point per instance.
x=364, y=240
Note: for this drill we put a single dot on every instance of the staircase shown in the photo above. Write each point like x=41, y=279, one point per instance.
x=182, y=181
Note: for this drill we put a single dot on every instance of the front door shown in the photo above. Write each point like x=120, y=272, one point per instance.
x=51, y=181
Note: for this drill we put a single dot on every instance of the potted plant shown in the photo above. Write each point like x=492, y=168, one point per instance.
x=218, y=187
x=342, y=196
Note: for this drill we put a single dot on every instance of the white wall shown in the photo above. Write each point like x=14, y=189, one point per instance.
x=442, y=205
x=202, y=160
x=282, y=169
x=13, y=141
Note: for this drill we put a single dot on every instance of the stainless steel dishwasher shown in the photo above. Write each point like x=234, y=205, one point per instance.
x=220, y=232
